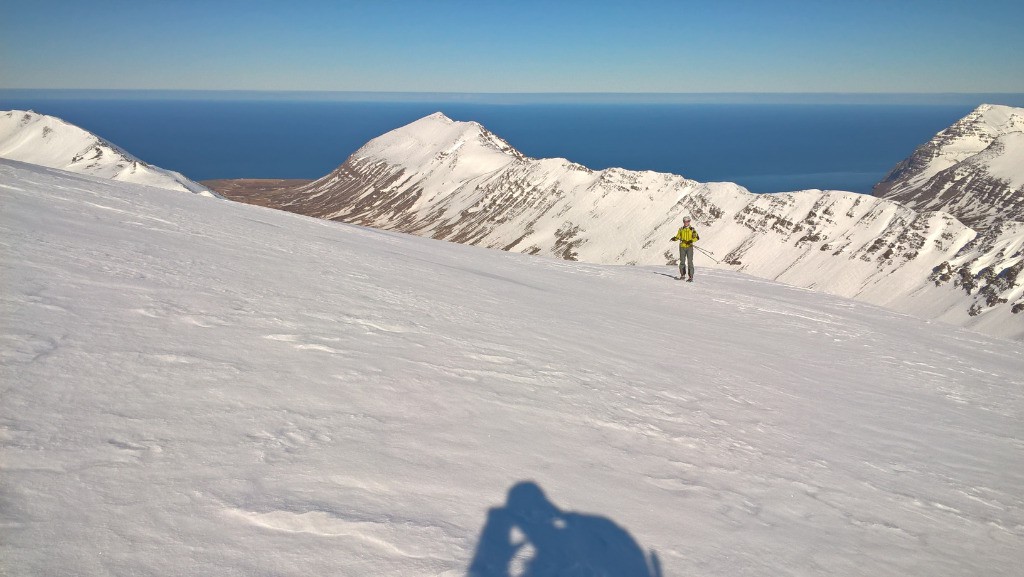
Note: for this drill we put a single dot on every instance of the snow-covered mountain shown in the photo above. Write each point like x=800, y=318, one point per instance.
x=214, y=389
x=49, y=141
x=973, y=170
x=456, y=181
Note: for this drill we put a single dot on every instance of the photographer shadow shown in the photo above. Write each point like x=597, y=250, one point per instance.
x=531, y=537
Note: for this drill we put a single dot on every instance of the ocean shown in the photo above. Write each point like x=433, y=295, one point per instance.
x=766, y=147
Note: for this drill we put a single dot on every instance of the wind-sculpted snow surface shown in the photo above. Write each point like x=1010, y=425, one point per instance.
x=48, y=141
x=456, y=181
x=204, y=388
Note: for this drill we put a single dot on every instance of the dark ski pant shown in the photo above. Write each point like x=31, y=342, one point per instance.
x=686, y=261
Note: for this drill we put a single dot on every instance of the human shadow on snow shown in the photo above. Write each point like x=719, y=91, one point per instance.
x=671, y=276
x=531, y=537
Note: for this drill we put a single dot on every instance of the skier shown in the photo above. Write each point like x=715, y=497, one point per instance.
x=686, y=237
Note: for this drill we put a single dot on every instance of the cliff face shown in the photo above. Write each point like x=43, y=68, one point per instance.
x=974, y=170
x=458, y=182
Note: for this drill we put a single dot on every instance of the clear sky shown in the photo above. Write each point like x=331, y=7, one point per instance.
x=515, y=45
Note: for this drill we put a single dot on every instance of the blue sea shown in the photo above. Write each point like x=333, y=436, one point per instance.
x=766, y=147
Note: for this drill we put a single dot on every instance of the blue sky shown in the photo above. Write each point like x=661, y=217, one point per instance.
x=515, y=46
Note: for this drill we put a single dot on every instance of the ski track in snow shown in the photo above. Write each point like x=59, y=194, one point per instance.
x=196, y=387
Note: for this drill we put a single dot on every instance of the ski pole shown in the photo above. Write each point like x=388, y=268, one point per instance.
x=707, y=253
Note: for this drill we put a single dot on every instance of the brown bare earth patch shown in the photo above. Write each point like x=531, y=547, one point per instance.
x=266, y=192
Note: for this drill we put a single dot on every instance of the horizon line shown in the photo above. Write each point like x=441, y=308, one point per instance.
x=934, y=98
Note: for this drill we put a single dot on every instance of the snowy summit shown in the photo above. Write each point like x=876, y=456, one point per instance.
x=49, y=141
x=973, y=169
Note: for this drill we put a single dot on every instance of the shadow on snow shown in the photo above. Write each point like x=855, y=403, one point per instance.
x=531, y=537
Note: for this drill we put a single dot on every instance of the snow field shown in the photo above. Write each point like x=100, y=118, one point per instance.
x=193, y=387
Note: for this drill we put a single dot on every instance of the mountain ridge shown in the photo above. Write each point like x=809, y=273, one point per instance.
x=457, y=181
x=448, y=180
x=973, y=169
x=44, y=140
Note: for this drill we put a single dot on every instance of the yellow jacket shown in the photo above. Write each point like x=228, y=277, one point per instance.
x=686, y=236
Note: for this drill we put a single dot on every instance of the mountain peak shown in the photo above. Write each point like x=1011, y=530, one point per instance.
x=438, y=116
x=437, y=138
x=973, y=169
x=977, y=130
x=28, y=136
x=1001, y=115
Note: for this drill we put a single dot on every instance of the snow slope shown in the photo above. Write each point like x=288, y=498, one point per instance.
x=49, y=141
x=974, y=169
x=456, y=181
x=208, y=388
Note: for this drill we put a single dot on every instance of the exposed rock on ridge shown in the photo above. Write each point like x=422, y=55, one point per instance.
x=34, y=138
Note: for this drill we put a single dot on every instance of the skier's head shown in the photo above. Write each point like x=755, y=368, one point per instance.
x=528, y=502
x=686, y=220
